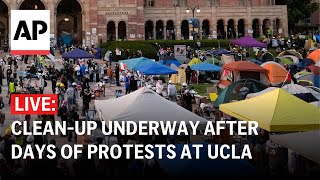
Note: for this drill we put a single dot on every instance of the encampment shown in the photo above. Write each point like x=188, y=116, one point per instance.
x=235, y=71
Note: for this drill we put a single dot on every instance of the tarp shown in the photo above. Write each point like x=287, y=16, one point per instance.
x=291, y=52
x=194, y=61
x=206, y=67
x=314, y=55
x=276, y=111
x=304, y=143
x=170, y=61
x=143, y=105
x=318, y=37
x=277, y=74
x=248, y=41
x=232, y=92
x=155, y=69
x=312, y=79
x=77, y=53
x=203, y=166
x=220, y=51
x=135, y=62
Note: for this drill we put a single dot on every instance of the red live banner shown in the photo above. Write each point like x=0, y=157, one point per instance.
x=46, y=104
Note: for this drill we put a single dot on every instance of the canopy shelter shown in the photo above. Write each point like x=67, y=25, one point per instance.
x=170, y=61
x=206, y=67
x=248, y=41
x=267, y=56
x=276, y=111
x=143, y=105
x=314, y=55
x=283, y=60
x=304, y=143
x=277, y=74
x=235, y=91
x=135, y=62
x=155, y=69
x=203, y=166
x=194, y=61
x=291, y=52
x=238, y=70
x=77, y=53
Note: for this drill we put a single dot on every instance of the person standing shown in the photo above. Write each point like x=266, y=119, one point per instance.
x=188, y=100
x=63, y=113
x=12, y=89
x=70, y=96
x=172, y=91
x=117, y=71
x=188, y=74
x=42, y=84
x=110, y=75
x=86, y=99
x=54, y=80
x=159, y=87
x=127, y=83
x=73, y=117
x=9, y=73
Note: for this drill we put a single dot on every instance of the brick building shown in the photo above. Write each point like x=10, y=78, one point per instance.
x=93, y=21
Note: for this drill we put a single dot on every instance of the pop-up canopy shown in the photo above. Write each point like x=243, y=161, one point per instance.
x=276, y=111
x=248, y=41
x=77, y=53
x=206, y=67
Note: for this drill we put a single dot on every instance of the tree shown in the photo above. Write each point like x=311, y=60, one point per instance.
x=298, y=10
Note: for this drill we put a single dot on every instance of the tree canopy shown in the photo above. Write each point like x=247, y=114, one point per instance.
x=298, y=9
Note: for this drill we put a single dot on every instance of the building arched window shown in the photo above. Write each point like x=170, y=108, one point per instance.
x=149, y=3
x=183, y=2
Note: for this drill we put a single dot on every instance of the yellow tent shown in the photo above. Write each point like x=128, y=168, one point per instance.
x=194, y=61
x=180, y=77
x=276, y=111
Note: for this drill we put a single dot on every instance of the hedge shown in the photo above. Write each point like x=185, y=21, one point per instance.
x=150, y=48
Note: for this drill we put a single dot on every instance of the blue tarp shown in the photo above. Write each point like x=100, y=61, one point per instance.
x=135, y=62
x=220, y=51
x=203, y=166
x=155, y=69
x=170, y=61
x=77, y=53
x=98, y=53
x=206, y=67
x=305, y=63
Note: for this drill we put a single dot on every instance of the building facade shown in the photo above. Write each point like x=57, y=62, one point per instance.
x=93, y=21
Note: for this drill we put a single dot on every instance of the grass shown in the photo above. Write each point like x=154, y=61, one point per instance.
x=201, y=89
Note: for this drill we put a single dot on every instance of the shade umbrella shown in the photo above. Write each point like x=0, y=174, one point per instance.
x=155, y=69
x=77, y=53
x=276, y=111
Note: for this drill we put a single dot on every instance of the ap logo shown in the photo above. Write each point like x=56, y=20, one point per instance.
x=30, y=32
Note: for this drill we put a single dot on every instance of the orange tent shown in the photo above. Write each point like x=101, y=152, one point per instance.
x=315, y=55
x=235, y=71
x=277, y=74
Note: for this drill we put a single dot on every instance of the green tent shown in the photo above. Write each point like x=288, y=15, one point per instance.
x=283, y=60
x=212, y=61
x=236, y=91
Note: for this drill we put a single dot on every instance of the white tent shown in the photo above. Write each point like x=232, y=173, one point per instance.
x=304, y=143
x=143, y=105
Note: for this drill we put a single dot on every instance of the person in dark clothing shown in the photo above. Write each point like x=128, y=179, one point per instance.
x=86, y=99
x=188, y=74
x=133, y=84
x=63, y=113
x=54, y=80
x=9, y=73
x=117, y=71
x=1, y=75
x=33, y=69
x=73, y=117
x=188, y=100
x=25, y=59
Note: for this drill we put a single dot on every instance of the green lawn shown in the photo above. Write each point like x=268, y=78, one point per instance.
x=200, y=88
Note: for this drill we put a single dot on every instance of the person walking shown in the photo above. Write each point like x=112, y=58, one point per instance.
x=188, y=74
x=172, y=91
x=70, y=96
x=110, y=75
x=117, y=74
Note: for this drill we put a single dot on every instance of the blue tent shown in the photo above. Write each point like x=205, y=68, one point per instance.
x=203, y=166
x=220, y=51
x=98, y=53
x=206, y=67
x=155, y=69
x=318, y=37
x=77, y=53
x=170, y=61
x=305, y=63
x=257, y=62
x=135, y=62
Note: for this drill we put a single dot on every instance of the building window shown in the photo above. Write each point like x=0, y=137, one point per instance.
x=149, y=3
x=241, y=2
x=183, y=2
x=208, y=2
x=217, y=2
x=175, y=3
